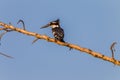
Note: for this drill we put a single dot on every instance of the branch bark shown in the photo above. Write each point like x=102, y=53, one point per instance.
x=73, y=46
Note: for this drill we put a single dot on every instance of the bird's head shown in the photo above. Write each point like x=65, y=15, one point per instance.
x=52, y=24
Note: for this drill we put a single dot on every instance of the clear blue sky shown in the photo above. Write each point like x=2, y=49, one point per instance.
x=93, y=24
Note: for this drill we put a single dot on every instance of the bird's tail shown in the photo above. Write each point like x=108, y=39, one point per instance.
x=62, y=40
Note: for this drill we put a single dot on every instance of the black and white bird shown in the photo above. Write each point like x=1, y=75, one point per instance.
x=57, y=31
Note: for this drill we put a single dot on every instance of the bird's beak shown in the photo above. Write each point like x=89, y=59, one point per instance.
x=45, y=26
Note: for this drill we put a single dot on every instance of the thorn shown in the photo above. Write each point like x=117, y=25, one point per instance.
x=112, y=48
x=1, y=35
x=34, y=40
x=6, y=55
x=70, y=49
x=22, y=23
x=67, y=44
x=10, y=23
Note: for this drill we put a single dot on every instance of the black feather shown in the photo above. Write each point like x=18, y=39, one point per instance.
x=58, y=33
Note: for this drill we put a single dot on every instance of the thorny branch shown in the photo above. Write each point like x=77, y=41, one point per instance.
x=73, y=46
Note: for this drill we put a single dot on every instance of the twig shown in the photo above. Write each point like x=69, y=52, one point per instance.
x=113, y=49
x=22, y=23
x=5, y=55
x=34, y=40
x=2, y=28
x=1, y=35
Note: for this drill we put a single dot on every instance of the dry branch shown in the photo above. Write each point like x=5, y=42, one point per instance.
x=73, y=46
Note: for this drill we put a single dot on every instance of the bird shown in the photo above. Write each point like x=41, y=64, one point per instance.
x=57, y=31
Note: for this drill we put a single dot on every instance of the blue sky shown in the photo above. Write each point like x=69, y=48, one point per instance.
x=93, y=24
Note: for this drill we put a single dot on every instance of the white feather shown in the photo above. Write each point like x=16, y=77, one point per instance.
x=54, y=26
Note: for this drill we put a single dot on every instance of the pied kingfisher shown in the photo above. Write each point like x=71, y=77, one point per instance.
x=57, y=31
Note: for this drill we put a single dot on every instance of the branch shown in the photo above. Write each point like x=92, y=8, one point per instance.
x=73, y=46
